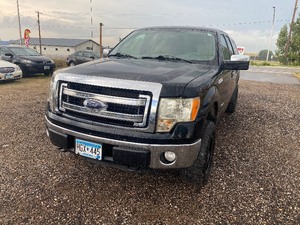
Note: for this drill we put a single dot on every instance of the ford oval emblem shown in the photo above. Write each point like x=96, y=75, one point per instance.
x=94, y=104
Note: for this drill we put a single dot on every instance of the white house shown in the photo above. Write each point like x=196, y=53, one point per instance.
x=61, y=47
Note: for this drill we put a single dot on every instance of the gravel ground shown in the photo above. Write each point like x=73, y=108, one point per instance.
x=255, y=179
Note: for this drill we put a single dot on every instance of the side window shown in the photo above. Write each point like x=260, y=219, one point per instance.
x=235, y=49
x=230, y=46
x=79, y=54
x=88, y=54
x=225, y=49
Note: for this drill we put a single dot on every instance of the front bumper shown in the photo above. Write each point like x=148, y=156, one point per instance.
x=149, y=154
x=38, y=68
x=14, y=76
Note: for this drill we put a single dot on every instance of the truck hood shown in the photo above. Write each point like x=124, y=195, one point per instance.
x=174, y=76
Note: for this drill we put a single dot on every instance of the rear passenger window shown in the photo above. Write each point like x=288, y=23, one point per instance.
x=235, y=49
x=230, y=46
x=225, y=49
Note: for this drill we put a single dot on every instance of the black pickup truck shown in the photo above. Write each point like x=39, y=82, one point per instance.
x=152, y=103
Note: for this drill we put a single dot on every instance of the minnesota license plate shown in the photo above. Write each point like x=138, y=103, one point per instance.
x=88, y=149
x=9, y=76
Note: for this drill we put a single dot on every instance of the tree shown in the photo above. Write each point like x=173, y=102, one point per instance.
x=293, y=54
x=294, y=49
x=281, y=43
x=262, y=55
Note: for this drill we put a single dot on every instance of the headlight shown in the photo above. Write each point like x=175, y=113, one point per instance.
x=172, y=111
x=27, y=61
x=52, y=93
x=17, y=68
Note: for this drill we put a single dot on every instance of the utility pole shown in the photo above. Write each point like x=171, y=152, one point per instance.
x=290, y=33
x=91, y=12
x=101, y=48
x=39, y=26
x=271, y=35
x=20, y=30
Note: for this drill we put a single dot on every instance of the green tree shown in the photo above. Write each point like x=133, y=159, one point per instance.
x=294, y=49
x=262, y=55
x=293, y=53
x=281, y=43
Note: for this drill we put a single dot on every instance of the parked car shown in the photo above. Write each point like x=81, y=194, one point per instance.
x=153, y=103
x=9, y=71
x=30, y=61
x=82, y=57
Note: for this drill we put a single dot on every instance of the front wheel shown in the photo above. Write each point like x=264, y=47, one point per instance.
x=72, y=64
x=48, y=73
x=200, y=171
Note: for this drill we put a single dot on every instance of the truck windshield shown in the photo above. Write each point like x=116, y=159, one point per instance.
x=185, y=44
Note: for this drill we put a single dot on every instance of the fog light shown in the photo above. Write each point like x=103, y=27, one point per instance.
x=170, y=156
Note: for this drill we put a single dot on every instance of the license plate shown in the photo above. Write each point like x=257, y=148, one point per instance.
x=46, y=67
x=88, y=149
x=9, y=76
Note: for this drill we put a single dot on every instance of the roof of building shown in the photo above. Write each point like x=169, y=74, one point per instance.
x=4, y=42
x=64, y=42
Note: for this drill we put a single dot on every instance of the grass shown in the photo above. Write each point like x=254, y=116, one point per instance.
x=265, y=63
x=32, y=81
x=60, y=63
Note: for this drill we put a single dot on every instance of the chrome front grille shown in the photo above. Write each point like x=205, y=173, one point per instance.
x=113, y=106
x=7, y=69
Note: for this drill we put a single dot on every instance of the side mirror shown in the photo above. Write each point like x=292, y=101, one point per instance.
x=9, y=55
x=106, y=52
x=237, y=62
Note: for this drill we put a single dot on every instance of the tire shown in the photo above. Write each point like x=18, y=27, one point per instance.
x=24, y=73
x=72, y=64
x=48, y=73
x=200, y=172
x=233, y=101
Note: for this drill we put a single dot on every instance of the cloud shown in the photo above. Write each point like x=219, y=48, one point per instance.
x=253, y=40
x=249, y=22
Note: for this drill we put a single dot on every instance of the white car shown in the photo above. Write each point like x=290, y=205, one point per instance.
x=9, y=71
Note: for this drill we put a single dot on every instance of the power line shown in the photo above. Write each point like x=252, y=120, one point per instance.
x=132, y=28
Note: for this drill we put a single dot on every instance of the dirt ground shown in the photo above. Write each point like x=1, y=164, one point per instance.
x=255, y=178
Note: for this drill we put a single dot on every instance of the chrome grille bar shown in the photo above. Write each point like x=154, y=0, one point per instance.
x=138, y=119
x=105, y=98
x=106, y=114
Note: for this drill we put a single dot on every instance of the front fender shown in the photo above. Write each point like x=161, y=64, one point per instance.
x=210, y=101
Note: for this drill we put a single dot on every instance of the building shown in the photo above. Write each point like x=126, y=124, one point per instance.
x=4, y=42
x=61, y=47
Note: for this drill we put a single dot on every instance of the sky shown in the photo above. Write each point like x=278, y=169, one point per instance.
x=248, y=22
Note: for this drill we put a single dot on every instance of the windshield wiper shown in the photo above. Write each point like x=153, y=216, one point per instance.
x=167, y=57
x=121, y=55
